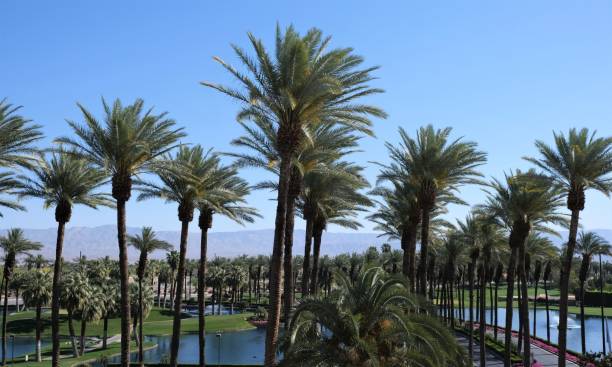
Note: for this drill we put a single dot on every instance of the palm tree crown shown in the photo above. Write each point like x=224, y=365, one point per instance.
x=13, y=245
x=63, y=181
x=17, y=134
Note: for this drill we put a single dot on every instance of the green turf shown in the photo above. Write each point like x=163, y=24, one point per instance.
x=159, y=322
x=502, y=292
x=113, y=349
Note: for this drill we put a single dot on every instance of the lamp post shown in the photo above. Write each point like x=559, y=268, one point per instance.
x=218, y=335
x=601, y=305
x=12, y=337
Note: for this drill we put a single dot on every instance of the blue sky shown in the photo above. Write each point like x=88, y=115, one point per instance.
x=500, y=73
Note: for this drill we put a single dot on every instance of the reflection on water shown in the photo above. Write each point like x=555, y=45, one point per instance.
x=20, y=345
x=240, y=347
x=592, y=324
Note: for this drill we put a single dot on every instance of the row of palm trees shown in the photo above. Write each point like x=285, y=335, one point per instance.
x=427, y=171
x=302, y=111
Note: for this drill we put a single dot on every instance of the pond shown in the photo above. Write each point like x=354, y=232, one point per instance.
x=240, y=347
x=592, y=327
x=21, y=345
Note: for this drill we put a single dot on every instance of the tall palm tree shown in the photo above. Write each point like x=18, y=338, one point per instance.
x=17, y=136
x=588, y=244
x=327, y=144
x=577, y=162
x=124, y=145
x=330, y=195
x=436, y=164
x=224, y=194
x=191, y=175
x=302, y=84
x=146, y=242
x=522, y=202
x=62, y=181
x=371, y=321
x=13, y=244
x=37, y=293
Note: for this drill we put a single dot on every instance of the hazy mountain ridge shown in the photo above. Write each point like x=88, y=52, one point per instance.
x=96, y=242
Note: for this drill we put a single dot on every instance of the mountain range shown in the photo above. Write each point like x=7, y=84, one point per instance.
x=96, y=242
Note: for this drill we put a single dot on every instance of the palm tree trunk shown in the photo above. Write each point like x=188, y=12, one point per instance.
x=535, y=303
x=483, y=321
x=307, y=250
x=524, y=307
x=412, y=240
x=288, y=259
x=547, y=312
x=314, y=282
x=496, y=311
x=82, y=338
x=276, y=261
x=202, y=292
x=491, y=303
x=509, y=304
x=452, y=300
x=4, y=316
x=158, y=291
x=422, y=272
x=38, y=330
x=601, y=306
x=75, y=351
x=140, y=317
x=566, y=268
x=471, y=309
x=124, y=280
x=176, y=323
x=105, y=332
x=165, y=292
x=55, y=298
x=582, y=331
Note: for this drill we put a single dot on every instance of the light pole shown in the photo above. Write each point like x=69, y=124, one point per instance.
x=219, y=346
x=12, y=337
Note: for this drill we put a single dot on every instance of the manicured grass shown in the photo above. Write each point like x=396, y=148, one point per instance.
x=502, y=292
x=113, y=349
x=159, y=322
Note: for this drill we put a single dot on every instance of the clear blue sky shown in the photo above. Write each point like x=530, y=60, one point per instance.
x=500, y=73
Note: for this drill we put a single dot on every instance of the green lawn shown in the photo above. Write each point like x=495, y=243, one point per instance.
x=502, y=292
x=159, y=322
x=113, y=349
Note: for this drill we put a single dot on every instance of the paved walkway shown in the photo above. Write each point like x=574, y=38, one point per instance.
x=546, y=358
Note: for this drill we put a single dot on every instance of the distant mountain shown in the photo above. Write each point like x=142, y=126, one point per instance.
x=96, y=242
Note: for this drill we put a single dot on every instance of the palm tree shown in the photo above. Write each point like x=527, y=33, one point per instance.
x=589, y=244
x=75, y=286
x=436, y=164
x=14, y=244
x=8, y=185
x=63, y=181
x=539, y=249
x=17, y=135
x=224, y=194
x=327, y=144
x=172, y=259
x=92, y=310
x=126, y=144
x=146, y=242
x=37, y=293
x=523, y=202
x=304, y=84
x=135, y=305
x=330, y=195
x=373, y=320
x=577, y=162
